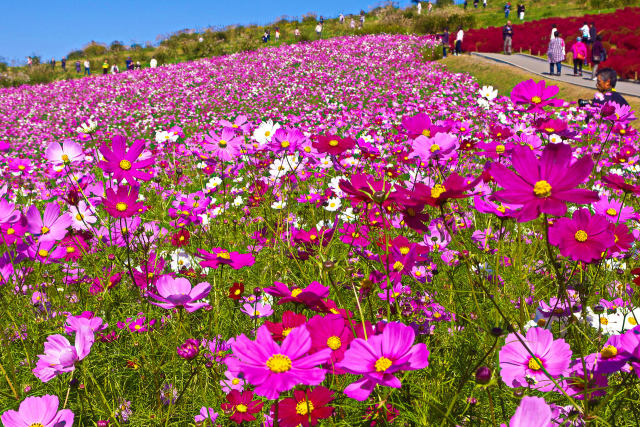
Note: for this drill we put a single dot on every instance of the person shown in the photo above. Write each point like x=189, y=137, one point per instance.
x=475, y=4
x=153, y=63
x=507, y=9
x=592, y=32
x=115, y=69
x=78, y=66
x=465, y=4
x=87, y=67
x=459, y=37
x=579, y=53
x=105, y=67
x=484, y=4
x=445, y=41
x=265, y=37
x=429, y=7
x=296, y=32
x=268, y=34
x=419, y=7
x=361, y=19
x=507, y=36
x=29, y=61
x=598, y=55
x=321, y=19
x=319, y=30
x=554, y=29
x=63, y=63
x=137, y=66
x=352, y=25
x=53, y=63
x=521, y=10
x=585, y=32
x=277, y=33
x=129, y=64
x=341, y=19
x=556, y=53
x=606, y=85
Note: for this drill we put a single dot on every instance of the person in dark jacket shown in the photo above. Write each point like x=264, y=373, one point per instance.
x=607, y=79
x=63, y=62
x=598, y=54
x=592, y=32
x=129, y=64
x=445, y=41
x=507, y=35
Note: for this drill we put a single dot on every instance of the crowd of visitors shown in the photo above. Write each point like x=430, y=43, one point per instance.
x=85, y=65
x=588, y=36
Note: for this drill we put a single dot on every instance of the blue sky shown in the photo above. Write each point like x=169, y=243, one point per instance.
x=54, y=28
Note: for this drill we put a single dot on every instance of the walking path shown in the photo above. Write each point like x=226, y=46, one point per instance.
x=540, y=66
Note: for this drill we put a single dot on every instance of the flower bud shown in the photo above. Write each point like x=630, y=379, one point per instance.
x=189, y=349
x=483, y=375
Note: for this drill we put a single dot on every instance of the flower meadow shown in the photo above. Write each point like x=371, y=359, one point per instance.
x=328, y=233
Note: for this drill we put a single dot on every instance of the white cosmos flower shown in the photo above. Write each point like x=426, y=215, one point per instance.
x=488, y=92
x=88, y=127
x=278, y=204
x=347, y=215
x=213, y=183
x=164, y=136
x=333, y=204
x=265, y=131
x=555, y=139
x=238, y=201
x=180, y=259
x=326, y=162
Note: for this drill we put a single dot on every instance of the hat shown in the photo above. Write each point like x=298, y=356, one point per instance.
x=579, y=39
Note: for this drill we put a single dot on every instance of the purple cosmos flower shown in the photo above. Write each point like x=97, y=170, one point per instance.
x=51, y=226
x=274, y=368
x=206, y=414
x=585, y=380
x=224, y=147
x=310, y=296
x=123, y=163
x=519, y=368
x=219, y=256
x=60, y=356
x=178, y=293
x=379, y=358
x=441, y=146
x=68, y=152
x=38, y=411
x=532, y=412
x=543, y=185
x=537, y=95
x=8, y=212
x=584, y=237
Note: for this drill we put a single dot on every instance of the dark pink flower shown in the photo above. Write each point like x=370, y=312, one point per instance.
x=537, y=95
x=219, y=256
x=123, y=202
x=123, y=163
x=584, y=237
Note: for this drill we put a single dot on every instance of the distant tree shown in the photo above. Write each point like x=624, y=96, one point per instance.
x=76, y=54
x=94, y=49
x=116, y=46
x=35, y=59
x=136, y=46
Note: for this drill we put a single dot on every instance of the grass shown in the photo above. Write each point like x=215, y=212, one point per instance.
x=504, y=77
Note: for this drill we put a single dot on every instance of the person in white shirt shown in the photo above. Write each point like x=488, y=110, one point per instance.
x=459, y=37
x=319, y=30
x=115, y=69
x=419, y=8
x=341, y=18
x=554, y=28
x=585, y=32
x=87, y=67
x=153, y=63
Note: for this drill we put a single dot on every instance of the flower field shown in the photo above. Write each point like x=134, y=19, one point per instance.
x=329, y=233
x=619, y=30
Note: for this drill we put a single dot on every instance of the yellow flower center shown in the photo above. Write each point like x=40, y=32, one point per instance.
x=404, y=250
x=224, y=255
x=501, y=209
x=536, y=100
x=222, y=143
x=581, y=236
x=235, y=381
x=44, y=230
x=137, y=327
x=70, y=249
x=279, y=363
x=65, y=158
x=608, y=352
x=437, y=191
x=125, y=165
x=535, y=364
x=36, y=425
x=604, y=321
x=398, y=266
x=434, y=148
x=21, y=167
x=286, y=331
x=426, y=133
x=383, y=364
x=307, y=149
x=43, y=253
x=549, y=129
x=313, y=237
x=542, y=189
x=333, y=143
x=241, y=408
x=633, y=321
x=79, y=217
x=611, y=212
x=267, y=133
x=295, y=292
x=121, y=206
x=305, y=407
x=334, y=342
x=622, y=131
x=284, y=144
x=500, y=149
x=10, y=231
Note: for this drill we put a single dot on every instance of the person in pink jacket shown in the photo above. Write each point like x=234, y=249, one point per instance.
x=579, y=50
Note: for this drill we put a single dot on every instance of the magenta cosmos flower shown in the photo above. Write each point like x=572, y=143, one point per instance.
x=274, y=368
x=49, y=227
x=224, y=147
x=38, y=411
x=178, y=293
x=584, y=237
x=123, y=163
x=219, y=256
x=532, y=412
x=379, y=358
x=333, y=332
x=310, y=296
x=60, y=356
x=441, y=146
x=543, y=185
x=67, y=153
x=537, y=95
x=519, y=368
x=123, y=202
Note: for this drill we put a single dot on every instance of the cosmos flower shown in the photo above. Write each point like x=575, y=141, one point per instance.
x=225, y=146
x=38, y=411
x=122, y=203
x=174, y=293
x=305, y=408
x=274, y=368
x=123, y=163
x=60, y=356
x=584, y=237
x=333, y=332
x=333, y=144
x=532, y=412
x=536, y=95
x=206, y=414
x=380, y=357
x=51, y=226
x=67, y=153
x=543, y=185
x=220, y=256
x=241, y=406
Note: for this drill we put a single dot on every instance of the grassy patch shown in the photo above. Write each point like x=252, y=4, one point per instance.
x=504, y=77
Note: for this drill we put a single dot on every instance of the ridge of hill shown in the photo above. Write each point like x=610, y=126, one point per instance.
x=187, y=45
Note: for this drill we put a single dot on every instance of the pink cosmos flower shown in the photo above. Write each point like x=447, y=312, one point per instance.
x=310, y=296
x=8, y=212
x=257, y=310
x=532, y=412
x=537, y=95
x=330, y=331
x=584, y=237
x=442, y=146
x=206, y=414
x=49, y=227
x=67, y=153
x=178, y=293
x=40, y=411
x=219, y=256
x=543, y=185
x=613, y=210
x=274, y=368
x=60, y=356
x=421, y=124
x=224, y=147
x=123, y=163
x=122, y=203
x=630, y=343
x=520, y=369
x=379, y=358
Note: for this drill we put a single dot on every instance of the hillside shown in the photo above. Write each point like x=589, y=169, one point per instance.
x=187, y=45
